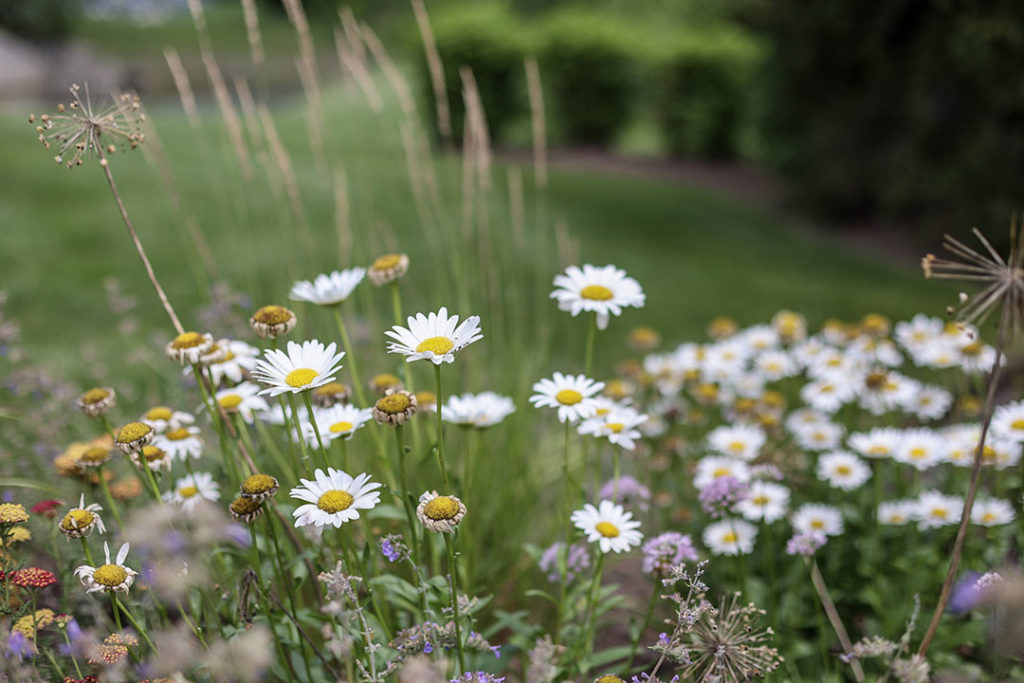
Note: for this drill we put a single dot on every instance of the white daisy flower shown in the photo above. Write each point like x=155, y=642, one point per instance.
x=922, y=448
x=775, y=364
x=328, y=289
x=935, y=509
x=916, y=333
x=759, y=337
x=110, y=576
x=337, y=422
x=791, y=326
x=821, y=436
x=897, y=512
x=1001, y=453
x=485, y=409
x=929, y=402
x=243, y=399
x=730, y=537
x=713, y=467
x=882, y=391
x=239, y=360
x=843, y=470
x=961, y=443
x=301, y=368
x=938, y=353
x=880, y=442
x=1008, y=421
x=619, y=426
x=805, y=417
x=608, y=525
x=977, y=357
x=724, y=360
x=571, y=394
x=191, y=489
x=992, y=512
x=605, y=291
x=162, y=419
x=766, y=501
x=814, y=517
x=737, y=441
x=333, y=498
x=435, y=337
x=180, y=443
x=828, y=394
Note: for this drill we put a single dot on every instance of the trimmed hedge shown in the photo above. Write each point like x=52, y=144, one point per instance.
x=701, y=92
x=489, y=40
x=588, y=63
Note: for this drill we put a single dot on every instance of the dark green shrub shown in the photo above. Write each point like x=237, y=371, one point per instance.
x=41, y=20
x=589, y=70
x=489, y=40
x=701, y=91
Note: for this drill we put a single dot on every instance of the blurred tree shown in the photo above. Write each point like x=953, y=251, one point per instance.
x=906, y=108
x=41, y=20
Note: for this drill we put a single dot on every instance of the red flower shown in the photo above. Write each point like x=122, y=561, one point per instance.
x=32, y=577
x=47, y=508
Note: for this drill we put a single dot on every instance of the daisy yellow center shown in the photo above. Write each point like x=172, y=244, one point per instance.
x=442, y=507
x=330, y=388
x=878, y=450
x=897, y=518
x=258, y=483
x=188, y=491
x=230, y=402
x=77, y=519
x=96, y=454
x=817, y=524
x=972, y=349
x=940, y=513
x=988, y=518
x=736, y=446
x=844, y=470
x=229, y=355
x=301, y=377
x=95, y=395
x=988, y=453
x=568, y=397
x=151, y=453
x=187, y=340
x=615, y=427
x=607, y=529
x=827, y=389
x=341, y=427
x=436, y=345
x=386, y=380
x=394, y=404
x=760, y=500
x=244, y=506
x=918, y=453
x=729, y=537
x=1017, y=424
x=596, y=293
x=335, y=501
x=387, y=261
x=721, y=472
x=159, y=413
x=110, y=575
x=179, y=434
x=133, y=431
x=602, y=411
x=425, y=398
x=609, y=678
x=272, y=315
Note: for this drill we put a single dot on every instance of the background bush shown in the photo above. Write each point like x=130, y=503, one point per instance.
x=488, y=39
x=701, y=85
x=913, y=110
x=588, y=66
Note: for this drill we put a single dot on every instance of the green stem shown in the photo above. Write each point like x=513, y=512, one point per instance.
x=396, y=305
x=88, y=553
x=356, y=383
x=299, y=436
x=590, y=622
x=440, y=432
x=404, y=492
x=142, y=631
x=589, y=356
x=71, y=649
x=635, y=644
x=567, y=515
x=452, y=579
x=117, y=614
x=316, y=427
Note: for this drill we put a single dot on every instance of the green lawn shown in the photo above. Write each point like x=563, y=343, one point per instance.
x=698, y=254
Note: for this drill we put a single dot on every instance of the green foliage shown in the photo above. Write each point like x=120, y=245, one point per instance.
x=588, y=67
x=39, y=19
x=701, y=92
x=487, y=39
x=911, y=109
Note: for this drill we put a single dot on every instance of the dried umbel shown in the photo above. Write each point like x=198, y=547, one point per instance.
x=78, y=131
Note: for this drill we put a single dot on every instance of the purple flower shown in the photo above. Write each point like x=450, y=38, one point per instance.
x=579, y=560
x=630, y=492
x=722, y=495
x=805, y=544
x=428, y=648
x=666, y=550
x=393, y=548
x=19, y=644
x=478, y=677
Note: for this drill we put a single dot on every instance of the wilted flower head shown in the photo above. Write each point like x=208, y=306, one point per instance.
x=79, y=131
